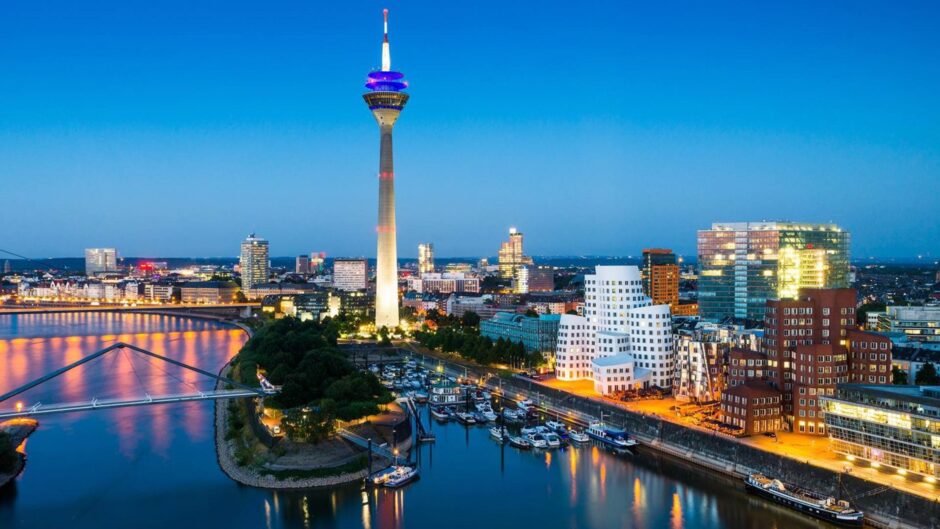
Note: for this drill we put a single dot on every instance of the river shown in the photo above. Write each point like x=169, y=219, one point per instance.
x=155, y=466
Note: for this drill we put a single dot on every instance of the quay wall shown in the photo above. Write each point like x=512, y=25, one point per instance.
x=885, y=507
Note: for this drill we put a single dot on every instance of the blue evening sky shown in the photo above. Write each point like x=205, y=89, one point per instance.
x=175, y=128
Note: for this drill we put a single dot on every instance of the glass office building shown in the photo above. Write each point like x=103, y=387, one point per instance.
x=743, y=264
x=884, y=425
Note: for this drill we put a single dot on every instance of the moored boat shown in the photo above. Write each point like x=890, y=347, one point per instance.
x=609, y=436
x=578, y=436
x=466, y=418
x=440, y=413
x=556, y=426
x=402, y=476
x=498, y=433
x=553, y=440
x=538, y=440
x=519, y=442
x=380, y=477
x=830, y=509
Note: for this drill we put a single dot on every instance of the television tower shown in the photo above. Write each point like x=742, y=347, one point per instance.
x=386, y=99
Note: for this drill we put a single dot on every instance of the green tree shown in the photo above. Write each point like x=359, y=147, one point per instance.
x=309, y=424
x=383, y=336
x=532, y=313
x=898, y=376
x=240, y=297
x=927, y=375
x=470, y=319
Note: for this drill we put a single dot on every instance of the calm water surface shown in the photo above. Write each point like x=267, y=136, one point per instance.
x=156, y=466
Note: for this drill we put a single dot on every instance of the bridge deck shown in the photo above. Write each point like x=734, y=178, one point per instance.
x=39, y=409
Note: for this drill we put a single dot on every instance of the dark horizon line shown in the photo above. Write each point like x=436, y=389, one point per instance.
x=493, y=259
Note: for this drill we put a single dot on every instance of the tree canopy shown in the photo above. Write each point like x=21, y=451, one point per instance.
x=454, y=337
x=927, y=375
x=303, y=359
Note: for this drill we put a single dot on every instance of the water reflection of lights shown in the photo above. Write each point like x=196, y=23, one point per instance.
x=366, y=515
x=267, y=513
x=306, y=512
x=548, y=459
x=676, y=512
x=639, y=495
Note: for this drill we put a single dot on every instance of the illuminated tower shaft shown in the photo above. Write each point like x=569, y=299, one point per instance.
x=386, y=100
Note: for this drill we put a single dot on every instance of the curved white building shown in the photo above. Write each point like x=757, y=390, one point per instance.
x=622, y=341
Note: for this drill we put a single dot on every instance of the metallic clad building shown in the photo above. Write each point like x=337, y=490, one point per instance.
x=386, y=99
x=744, y=264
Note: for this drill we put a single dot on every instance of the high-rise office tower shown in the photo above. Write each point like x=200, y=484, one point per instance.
x=254, y=263
x=661, y=276
x=7, y=267
x=511, y=255
x=386, y=99
x=425, y=258
x=350, y=274
x=100, y=260
x=302, y=265
x=744, y=264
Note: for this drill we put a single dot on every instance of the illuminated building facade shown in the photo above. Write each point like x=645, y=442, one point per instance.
x=511, y=255
x=531, y=278
x=445, y=283
x=208, y=292
x=100, y=261
x=425, y=258
x=661, y=276
x=620, y=333
x=744, y=264
x=895, y=426
x=536, y=333
x=254, y=260
x=754, y=407
x=352, y=274
x=386, y=99
x=811, y=345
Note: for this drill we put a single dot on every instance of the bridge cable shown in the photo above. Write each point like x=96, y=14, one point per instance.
x=134, y=369
x=164, y=371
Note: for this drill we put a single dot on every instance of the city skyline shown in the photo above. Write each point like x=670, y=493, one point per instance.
x=819, y=109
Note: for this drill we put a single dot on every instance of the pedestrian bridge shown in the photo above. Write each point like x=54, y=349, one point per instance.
x=224, y=388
